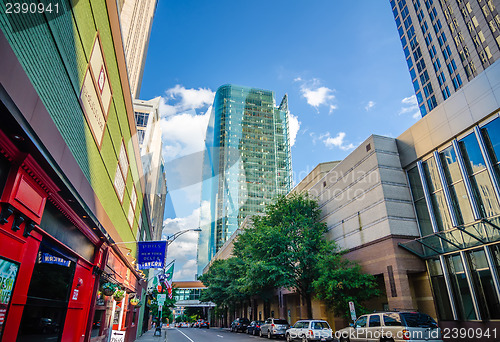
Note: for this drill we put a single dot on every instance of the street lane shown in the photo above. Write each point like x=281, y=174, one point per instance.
x=208, y=335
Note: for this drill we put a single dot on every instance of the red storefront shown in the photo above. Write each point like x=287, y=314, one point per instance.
x=52, y=260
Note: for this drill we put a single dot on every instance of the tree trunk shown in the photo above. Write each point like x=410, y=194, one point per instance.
x=307, y=299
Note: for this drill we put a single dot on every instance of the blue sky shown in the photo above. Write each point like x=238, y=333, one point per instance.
x=340, y=62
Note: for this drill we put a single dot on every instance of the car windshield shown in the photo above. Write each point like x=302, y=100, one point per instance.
x=280, y=321
x=244, y=320
x=320, y=325
x=418, y=320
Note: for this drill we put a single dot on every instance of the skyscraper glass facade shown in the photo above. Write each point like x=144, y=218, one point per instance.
x=247, y=162
x=446, y=44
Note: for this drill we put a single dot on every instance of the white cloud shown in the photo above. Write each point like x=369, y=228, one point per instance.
x=187, y=99
x=317, y=95
x=369, y=105
x=184, y=248
x=410, y=106
x=294, y=125
x=337, y=141
x=297, y=79
x=184, y=133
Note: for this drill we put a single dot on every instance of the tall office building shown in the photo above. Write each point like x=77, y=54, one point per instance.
x=247, y=162
x=147, y=120
x=136, y=21
x=447, y=43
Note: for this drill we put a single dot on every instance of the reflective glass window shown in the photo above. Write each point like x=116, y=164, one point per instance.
x=471, y=152
x=419, y=202
x=491, y=134
x=441, y=213
x=432, y=174
x=460, y=287
x=460, y=200
x=483, y=282
x=485, y=194
x=439, y=289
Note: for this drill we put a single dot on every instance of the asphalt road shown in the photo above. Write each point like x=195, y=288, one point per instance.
x=209, y=335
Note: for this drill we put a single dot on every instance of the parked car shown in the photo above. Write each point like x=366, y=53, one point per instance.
x=274, y=327
x=240, y=324
x=254, y=327
x=203, y=324
x=392, y=326
x=310, y=330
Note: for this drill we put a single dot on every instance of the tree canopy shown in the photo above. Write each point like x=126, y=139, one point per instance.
x=287, y=247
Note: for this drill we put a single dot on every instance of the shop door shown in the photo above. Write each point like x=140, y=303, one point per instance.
x=48, y=295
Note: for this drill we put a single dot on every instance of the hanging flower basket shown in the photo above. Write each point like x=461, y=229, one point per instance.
x=119, y=295
x=108, y=289
x=135, y=302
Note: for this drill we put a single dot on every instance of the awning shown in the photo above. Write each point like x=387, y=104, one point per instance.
x=482, y=232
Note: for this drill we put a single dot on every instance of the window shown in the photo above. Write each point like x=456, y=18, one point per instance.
x=439, y=289
x=460, y=287
x=392, y=320
x=446, y=92
x=374, y=321
x=459, y=198
x=491, y=135
x=483, y=282
x=360, y=322
x=438, y=201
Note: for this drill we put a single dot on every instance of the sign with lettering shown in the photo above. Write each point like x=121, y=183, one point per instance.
x=47, y=258
x=95, y=94
x=117, y=336
x=8, y=275
x=151, y=254
x=162, y=298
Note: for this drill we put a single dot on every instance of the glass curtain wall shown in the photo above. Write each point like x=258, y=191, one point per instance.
x=472, y=282
x=478, y=174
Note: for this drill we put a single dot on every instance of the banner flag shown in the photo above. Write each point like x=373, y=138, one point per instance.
x=169, y=274
x=151, y=254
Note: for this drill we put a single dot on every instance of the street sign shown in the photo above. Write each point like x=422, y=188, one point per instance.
x=160, y=308
x=161, y=298
x=352, y=310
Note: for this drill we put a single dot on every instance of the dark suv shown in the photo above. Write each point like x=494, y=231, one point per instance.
x=240, y=324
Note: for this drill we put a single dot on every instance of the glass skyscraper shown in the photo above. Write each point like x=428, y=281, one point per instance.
x=247, y=162
x=446, y=43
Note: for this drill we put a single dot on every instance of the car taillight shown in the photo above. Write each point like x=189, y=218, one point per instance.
x=272, y=325
x=311, y=333
x=258, y=326
x=406, y=335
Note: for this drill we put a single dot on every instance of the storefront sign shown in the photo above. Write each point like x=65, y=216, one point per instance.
x=117, y=336
x=47, y=258
x=8, y=275
x=151, y=254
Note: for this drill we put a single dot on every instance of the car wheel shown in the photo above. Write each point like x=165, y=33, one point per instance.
x=269, y=336
x=260, y=334
x=288, y=338
x=344, y=339
x=304, y=339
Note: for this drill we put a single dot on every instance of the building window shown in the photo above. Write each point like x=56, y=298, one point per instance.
x=483, y=283
x=460, y=200
x=440, y=291
x=480, y=180
x=460, y=288
x=491, y=134
x=421, y=209
x=438, y=201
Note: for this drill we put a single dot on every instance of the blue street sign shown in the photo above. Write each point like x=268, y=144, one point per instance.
x=151, y=254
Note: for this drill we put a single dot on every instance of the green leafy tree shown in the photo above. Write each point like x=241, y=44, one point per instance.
x=287, y=248
x=342, y=281
x=283, y=245
x=224, y=282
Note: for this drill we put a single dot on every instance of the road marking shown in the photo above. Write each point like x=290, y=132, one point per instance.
x=185, y=335
x=220, y=336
